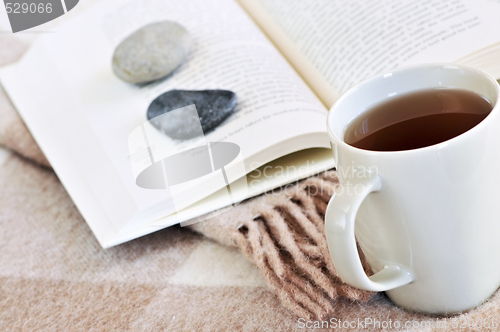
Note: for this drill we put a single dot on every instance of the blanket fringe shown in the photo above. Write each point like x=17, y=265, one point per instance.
x=282, y=232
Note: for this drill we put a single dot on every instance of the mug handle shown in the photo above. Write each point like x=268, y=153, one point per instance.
x=339, y=226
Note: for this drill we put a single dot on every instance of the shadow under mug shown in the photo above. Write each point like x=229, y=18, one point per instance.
x=427, y=220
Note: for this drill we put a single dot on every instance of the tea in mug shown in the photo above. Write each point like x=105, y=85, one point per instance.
x=416, y=120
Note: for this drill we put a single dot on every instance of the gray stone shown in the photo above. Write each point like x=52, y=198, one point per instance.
x=151, y=52
x=213, y=107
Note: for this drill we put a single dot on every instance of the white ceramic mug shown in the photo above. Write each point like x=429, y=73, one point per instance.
x=428, y=219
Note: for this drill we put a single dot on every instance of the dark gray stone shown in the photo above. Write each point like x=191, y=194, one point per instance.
x=151, y=52
x=213, y=107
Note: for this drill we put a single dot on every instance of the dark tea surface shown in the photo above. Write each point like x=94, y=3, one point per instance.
x=417, y=120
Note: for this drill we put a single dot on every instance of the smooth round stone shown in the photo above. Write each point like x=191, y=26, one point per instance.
x=213, y=106
x=151, y=52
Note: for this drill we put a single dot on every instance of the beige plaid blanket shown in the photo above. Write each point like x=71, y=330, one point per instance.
x=262, y=266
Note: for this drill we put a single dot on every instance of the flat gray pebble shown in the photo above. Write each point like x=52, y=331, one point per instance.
x=213, y=107
x=151, y=52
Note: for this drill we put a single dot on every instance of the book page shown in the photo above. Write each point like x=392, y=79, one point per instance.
x=76, y=97
x=347, y=41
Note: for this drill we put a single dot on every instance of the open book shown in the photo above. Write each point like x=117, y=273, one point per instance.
x=287, y=61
